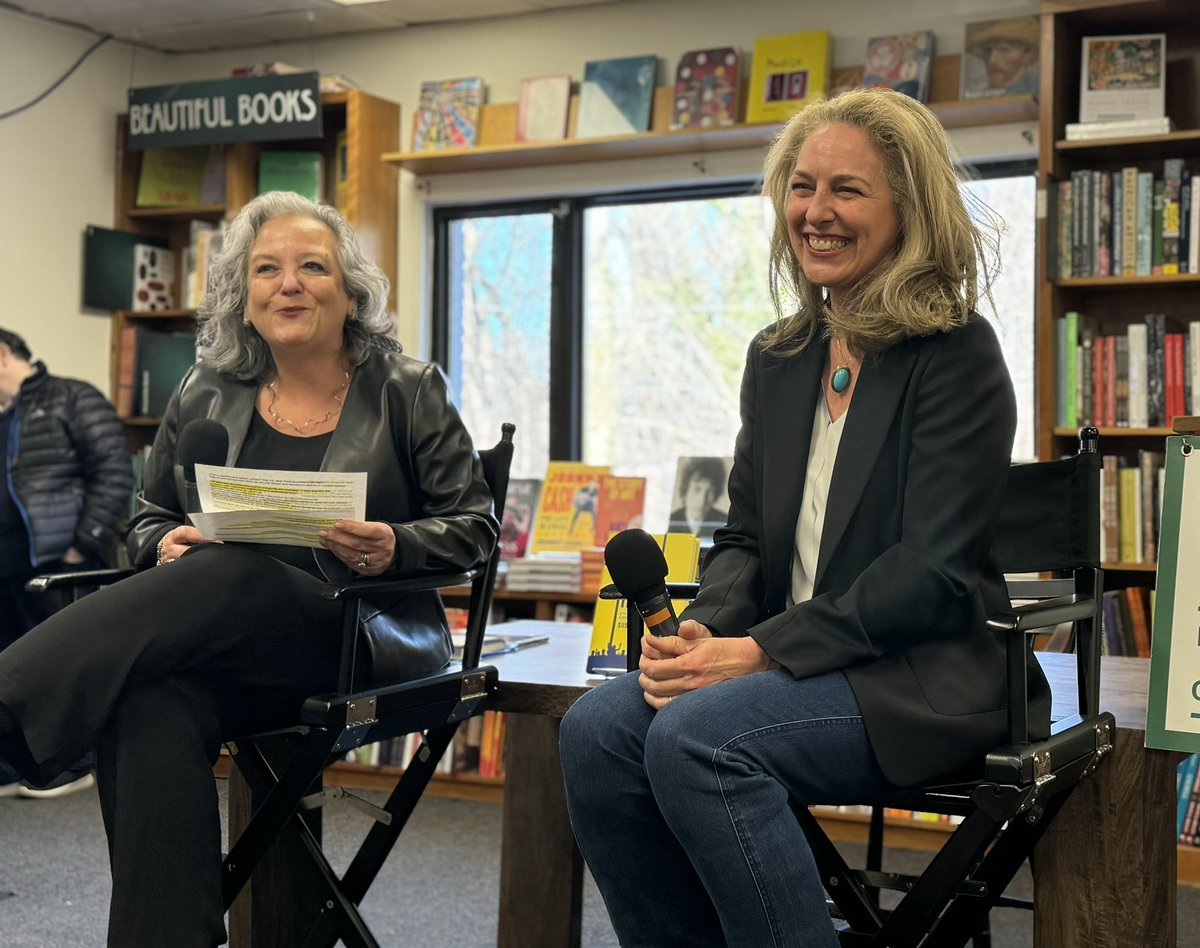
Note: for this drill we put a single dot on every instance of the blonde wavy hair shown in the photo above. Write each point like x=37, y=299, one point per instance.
x=931, y=282
x=225, y=342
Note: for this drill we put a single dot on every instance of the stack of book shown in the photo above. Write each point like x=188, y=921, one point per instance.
x=545, y=572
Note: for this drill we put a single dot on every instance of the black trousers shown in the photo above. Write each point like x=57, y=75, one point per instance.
x=155, y=672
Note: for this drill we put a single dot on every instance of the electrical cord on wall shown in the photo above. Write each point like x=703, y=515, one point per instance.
x=61, y=79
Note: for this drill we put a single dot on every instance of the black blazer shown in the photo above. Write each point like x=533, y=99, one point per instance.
x=905, y=576
x=398, y=425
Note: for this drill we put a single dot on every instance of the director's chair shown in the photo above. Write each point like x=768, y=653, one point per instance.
x=283, y=768
x=1049, y=524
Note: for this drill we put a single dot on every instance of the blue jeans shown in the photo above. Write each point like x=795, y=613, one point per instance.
x=682, y=814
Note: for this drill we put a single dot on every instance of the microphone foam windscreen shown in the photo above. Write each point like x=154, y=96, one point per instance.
x=635, y=562
x=202, y=441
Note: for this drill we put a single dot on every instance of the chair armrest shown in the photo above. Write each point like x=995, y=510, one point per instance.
x=674, y=590
x=91, y=577
x=1039, y=615
x=366, y=587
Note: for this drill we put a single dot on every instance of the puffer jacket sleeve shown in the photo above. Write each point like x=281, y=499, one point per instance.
x=107, y=472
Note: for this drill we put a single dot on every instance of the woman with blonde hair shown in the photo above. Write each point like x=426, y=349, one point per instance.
x=837, y=647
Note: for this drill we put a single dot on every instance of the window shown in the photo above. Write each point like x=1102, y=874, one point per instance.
x=614, y=330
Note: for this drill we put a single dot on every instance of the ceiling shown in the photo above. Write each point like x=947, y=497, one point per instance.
x=185, y=26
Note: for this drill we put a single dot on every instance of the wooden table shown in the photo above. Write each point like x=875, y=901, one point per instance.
x=1104, y=874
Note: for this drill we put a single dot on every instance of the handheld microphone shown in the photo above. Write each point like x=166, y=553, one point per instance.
x=202, y=441
x=639, y=570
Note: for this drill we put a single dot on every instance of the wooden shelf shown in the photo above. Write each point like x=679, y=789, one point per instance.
x=955, y=114
x=1132, y=282
x=1118, y=432
x=215, y=211
x=1111, y=150
x=1129, y=567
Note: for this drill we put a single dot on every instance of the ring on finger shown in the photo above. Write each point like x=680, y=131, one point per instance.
x=364, y=560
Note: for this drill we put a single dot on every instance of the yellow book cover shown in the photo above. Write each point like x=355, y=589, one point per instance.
x=566, y=513
x=787, y=72
x=1128, y=499
x=610, y=621
x=171, y=177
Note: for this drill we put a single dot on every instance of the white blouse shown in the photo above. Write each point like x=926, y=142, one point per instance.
x=822, y=452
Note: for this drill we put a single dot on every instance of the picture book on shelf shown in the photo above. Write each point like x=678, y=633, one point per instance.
x=700, y=502
x=1000, y=57
x=610, y=621
x=542, y=109
x=153, y=278
x=447, y=115
x=298, y=171
x=172, y=177
x=615, y=96
x=1122, y=78
x=707, y=82
x=566, y=512
x=620, y=507
x=517, y=523
x=902, y=62
x=787, y=72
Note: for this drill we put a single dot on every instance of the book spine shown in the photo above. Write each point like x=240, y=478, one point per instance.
x=1128, y=501
x=1129, y=221
x=1194, y=366
x=1156, y=229
x=1172, y=182
x=1116, y=222
x=1087, y=373
x=1147, y=462
x=1110, y=381
x=1110, y=509
x=1121, y=408
x=1137, y=375
x=1185, y=220
x=1070, y=346
x=1194, y=228
x=127, y=371
x=1145, y=206
x=1187, y=776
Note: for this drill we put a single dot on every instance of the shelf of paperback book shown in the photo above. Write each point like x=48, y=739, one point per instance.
x=654, y=143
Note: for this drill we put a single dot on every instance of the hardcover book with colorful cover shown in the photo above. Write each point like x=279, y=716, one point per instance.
x=700, y=503
x=902, y=62
x=566, y=510
x=298, y=171
x=1000, y=57
x=172, y=177
x=616, y=96
x=706, y=88
x=787, y=72
x=542, y=109
x=448, y=114
x=519, y=508
x=622, y=503
x=1123, y=78
x=610, y=621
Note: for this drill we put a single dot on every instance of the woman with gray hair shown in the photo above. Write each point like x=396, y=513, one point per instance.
x=208, y=641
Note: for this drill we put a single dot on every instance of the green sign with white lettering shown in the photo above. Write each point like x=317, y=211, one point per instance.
x=257, y=109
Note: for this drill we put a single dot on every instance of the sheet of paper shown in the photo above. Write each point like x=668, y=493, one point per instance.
x=287, y=507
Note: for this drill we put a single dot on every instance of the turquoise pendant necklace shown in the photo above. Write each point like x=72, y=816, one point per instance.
x=841, y=379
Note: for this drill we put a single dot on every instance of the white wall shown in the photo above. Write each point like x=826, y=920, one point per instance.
x=56, y=160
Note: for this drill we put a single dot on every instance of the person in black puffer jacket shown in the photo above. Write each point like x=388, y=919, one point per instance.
x=68, y=480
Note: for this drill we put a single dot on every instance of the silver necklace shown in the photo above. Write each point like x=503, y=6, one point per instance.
x=280, y=421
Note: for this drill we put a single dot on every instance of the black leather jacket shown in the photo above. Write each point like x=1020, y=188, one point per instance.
x=69, y=470
x=398, y=425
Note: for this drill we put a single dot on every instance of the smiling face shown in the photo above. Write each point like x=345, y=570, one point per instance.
x=296, y=297
x=842, y=219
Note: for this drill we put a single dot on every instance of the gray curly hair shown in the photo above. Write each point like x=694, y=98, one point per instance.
x=228, y=345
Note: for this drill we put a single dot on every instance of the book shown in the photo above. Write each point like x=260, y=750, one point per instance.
x=565, y=520
x=901, y=61
x=615, y=96
x=620, y=507
x=108, y=268
x=707, y=87
x=153, y=278
x=700, y=501
x=1000, y=57
x=126, y=371
x=447, y=114
x=1172, y=184
x=163, y=359
x=1122, y=78
x=542, y=109
x=517, y=523
x=298, y=171
x=172, y=177
x=787, y=72
x=1131, y=128
x=497, y=643
x=610, y=621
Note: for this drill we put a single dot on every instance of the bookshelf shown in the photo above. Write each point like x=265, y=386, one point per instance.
x=371, y=126
x=498, y=149
x=1109, y=304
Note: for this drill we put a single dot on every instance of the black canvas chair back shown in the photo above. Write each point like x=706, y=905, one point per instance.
x=1050, y=526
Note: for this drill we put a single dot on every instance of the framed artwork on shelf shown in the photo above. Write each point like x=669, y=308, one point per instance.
x=448, y=114
x=616, y=96
x=706, y=88
x=542, y=109
x=1001, y=57
x=1122, y=78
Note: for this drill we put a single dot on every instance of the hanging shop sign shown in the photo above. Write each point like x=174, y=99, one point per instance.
x=253, y=109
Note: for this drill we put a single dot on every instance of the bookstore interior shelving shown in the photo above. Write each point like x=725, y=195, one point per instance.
x=1110, y=304
x=369, y=192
